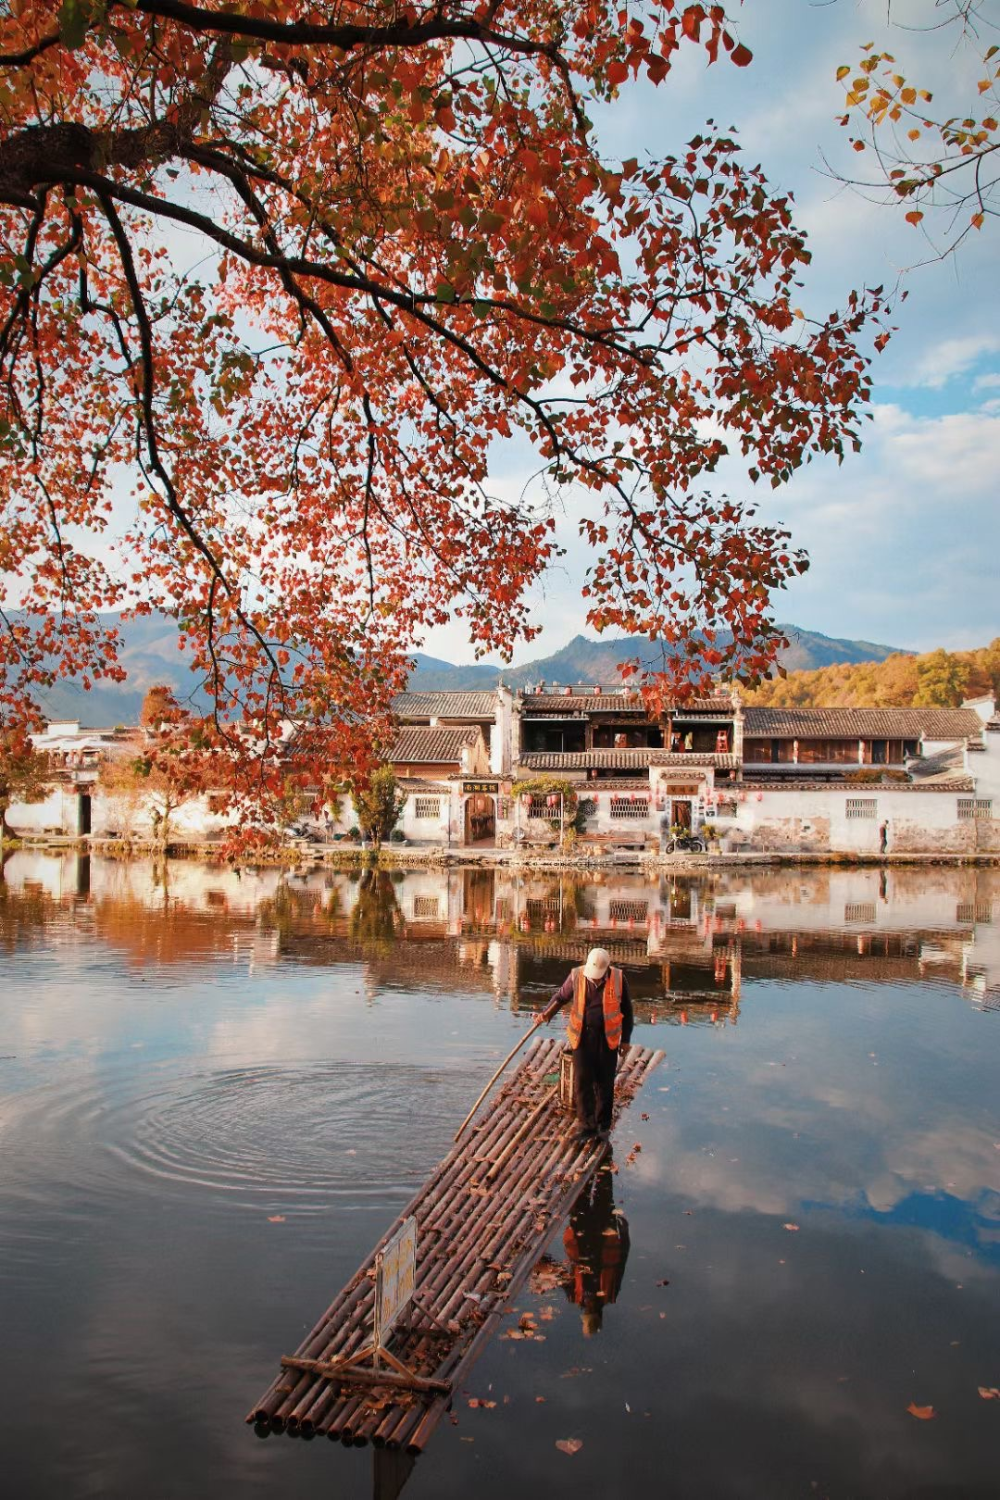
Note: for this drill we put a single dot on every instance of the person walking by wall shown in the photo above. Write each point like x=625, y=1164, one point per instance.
x=883, y=837
x=600, y=1023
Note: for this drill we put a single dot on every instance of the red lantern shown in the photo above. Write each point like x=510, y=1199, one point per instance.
x=526, y=798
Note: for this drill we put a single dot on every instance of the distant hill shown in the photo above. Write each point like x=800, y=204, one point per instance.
x=585, y=660
x=150, y=654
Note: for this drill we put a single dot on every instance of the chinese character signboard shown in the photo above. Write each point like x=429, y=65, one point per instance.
x=490, y=788
x=395, y=1275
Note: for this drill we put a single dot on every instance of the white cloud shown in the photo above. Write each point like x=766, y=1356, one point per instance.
x=951, y=357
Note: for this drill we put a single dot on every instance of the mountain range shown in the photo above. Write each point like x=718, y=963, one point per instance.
x=149, y=653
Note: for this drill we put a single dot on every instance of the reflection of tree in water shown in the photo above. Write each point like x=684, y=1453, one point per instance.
x=289, y=910
x=376, y=918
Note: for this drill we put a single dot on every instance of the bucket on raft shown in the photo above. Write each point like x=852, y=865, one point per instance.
x=563, y=1081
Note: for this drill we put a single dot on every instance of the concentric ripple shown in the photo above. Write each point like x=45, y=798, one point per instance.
x=305, y=1133
x=299, y=1135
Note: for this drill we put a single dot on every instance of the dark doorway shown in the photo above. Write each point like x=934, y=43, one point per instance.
x=480, y=819
x=83, y=820
x=680, y=814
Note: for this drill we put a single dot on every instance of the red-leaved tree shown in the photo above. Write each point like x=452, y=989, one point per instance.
x=299, y=269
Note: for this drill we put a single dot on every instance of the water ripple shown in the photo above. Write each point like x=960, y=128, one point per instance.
x=302, y=1135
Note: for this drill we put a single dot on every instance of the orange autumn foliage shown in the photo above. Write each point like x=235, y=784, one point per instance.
x=300, y=268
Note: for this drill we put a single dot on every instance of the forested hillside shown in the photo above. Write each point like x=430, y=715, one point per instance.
x=935, y=679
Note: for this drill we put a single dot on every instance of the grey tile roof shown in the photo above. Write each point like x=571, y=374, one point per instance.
x=860, y=723
x=857, y=788
x=945, y=769
x=607, y=703
x=460, y=705
x=423, y=745
x=585, y=760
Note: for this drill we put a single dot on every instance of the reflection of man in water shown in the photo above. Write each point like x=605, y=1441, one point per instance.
x=596, y=1244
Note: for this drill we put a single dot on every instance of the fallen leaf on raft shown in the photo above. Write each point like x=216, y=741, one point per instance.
x=569, y=1445
x=276, y=1218
x=922, y=1413
x=513, y=1333
x=477, y=1401
x=644, y=1117
x=990, y=1392
x=539, y=1398
x=793, y=1227
x=664, y=1282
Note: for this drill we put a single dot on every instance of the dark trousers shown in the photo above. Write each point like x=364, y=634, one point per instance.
x=594, y=1066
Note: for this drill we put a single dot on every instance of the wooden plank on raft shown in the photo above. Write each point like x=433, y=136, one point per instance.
x=483, y=1218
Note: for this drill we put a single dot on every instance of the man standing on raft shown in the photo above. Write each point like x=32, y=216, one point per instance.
x=600, y=1022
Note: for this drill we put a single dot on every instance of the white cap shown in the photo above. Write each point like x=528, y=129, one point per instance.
x=598, y=963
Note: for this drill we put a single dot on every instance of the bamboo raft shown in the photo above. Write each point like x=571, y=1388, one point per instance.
x=483, y=1219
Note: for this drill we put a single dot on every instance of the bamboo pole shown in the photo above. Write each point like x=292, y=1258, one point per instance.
x=511, y=1054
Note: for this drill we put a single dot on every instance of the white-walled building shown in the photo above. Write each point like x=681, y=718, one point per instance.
x=481, y=769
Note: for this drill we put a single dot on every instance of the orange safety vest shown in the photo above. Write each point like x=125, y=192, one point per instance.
x=612, y=1008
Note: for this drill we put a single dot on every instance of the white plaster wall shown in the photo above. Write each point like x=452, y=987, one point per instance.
x=426, y=830
x=984, y=765
x=501, y=746
x=58, y=811
x=815, y=818
x=135, y=817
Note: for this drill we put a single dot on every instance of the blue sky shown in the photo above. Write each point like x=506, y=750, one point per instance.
x=904, y=538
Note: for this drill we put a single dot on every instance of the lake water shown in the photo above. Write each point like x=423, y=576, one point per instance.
x=218, y=1088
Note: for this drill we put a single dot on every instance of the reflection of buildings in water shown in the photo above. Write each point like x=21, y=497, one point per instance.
x=686, y=942
x=980, y=971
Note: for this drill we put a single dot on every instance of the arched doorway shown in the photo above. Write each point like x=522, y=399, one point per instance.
x=480, y=819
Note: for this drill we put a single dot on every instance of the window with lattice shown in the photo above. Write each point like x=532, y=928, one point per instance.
x=624, y=808
x=426, y=906
x=427, y=807
x=862, y=807
x=859, y=911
